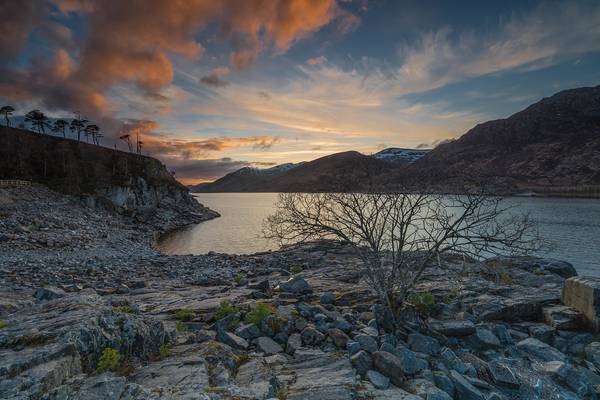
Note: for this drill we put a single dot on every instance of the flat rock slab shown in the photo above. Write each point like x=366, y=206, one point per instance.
x=583, y=294
x=563, y=317
x=454, y=327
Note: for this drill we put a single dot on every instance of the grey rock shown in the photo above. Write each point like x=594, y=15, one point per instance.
x=563, y=317
x=268, y=345
x=297, y=285
x=558, y=267
x=294, y=342
x=567, y=375
x=366, y=342
x=464, y=389
x=49, y=293
x=327, y=298
x=541, y=350
x=378, y=380
x=592, y=353
x=503, y=334
x=362, y=362
x=423, y=344
x=353, y=347
x=443, y=381
x=409, y=362
x=542, y=332
x=384, y=317
x=427, y=390
x=454, y=327
x=340, y=339
x=451, y=360
x=248, y=331
x=311, y=336
x=389, y=365
x=503, y=375
x=484, y=339
x=232, y=340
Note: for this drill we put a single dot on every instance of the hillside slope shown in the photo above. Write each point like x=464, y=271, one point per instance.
x=127, y=183
x=552, y=143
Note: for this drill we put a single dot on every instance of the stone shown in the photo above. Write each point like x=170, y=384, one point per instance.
x=542, y=332
x=423, y=344
x=558, y=267
x=263, y=286
x=248, y=331
x=327, y=298
x=268, y=346
x=464, y=389
x=563, y=317
x=296, y=285
x=340, y=339
x=311, y=336
x=592, y=353
x=378, y=380
x=294, y=342
x=502, y=375
x=353, y=347
x=49, y=293
x=366, y=343
x=232, y=340
x=362, y=362
x=454, y=327
x=541, y=350
x=409, y=362
x=443, y=381
x=389, y=365
x=451, y=360
x=583, y=294
x=568, y=375
x=484, y=339
x=503, y=334
x=425, y=389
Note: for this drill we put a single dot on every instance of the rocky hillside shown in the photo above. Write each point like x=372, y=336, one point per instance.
x=552, y=144
x=127, y=183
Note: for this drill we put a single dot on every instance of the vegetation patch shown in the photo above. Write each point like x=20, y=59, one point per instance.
x=109, y=360
x=225, y=309
x=259, y=313
x=164, y=352
x=3, y=324
x=185, y=314
x=296, y=269
x=238, y=278
x=423, y=301
x=181, y=327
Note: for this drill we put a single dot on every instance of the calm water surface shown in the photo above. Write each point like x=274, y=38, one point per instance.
x=572, y=226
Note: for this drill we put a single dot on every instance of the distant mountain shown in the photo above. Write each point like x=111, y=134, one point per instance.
x=552, y=143
x=341, y=171
x=553, y=146
x=399, y=155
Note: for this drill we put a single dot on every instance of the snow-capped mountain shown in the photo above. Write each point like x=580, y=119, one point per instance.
x=396, y=154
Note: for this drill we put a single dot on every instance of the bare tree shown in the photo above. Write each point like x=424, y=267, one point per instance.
x=126, y=138
x=7, y=111
x=397, y=235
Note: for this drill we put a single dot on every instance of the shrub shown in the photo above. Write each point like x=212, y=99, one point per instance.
x=296, y=269
x=164, y=352
x=181, y=327
x=3, y=324
x=259, y=313
x=225, y=309
x=109, y=360
x=184, y=314
x=423, y=301
x=126, y=309
x=238, y=278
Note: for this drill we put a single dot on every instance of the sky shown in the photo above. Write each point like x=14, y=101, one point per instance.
x=211, y=86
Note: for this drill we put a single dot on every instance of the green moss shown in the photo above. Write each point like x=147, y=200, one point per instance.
x=109, y=360
x=164, y=352
x=185, y=314
x=238, y=278
x=423, y=301
x=181, y=327
x=296, y=269
x=126, y=309
x=225, y=309
x=3, y=324
x=259, y=313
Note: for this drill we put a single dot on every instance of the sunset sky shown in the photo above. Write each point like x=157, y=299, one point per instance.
x=213, y=86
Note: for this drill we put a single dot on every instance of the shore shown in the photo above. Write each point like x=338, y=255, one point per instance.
x=298, y=323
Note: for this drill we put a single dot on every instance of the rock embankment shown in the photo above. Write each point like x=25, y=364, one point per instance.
x=292, y=324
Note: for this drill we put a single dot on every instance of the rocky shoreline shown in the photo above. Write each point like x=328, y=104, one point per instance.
x=88, y=310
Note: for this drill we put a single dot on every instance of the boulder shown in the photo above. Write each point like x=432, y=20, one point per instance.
x=583, y=294
x=541, y=350
x=248, y=331
x=443, y=381
x=427, y=390
x=389, y=365
x=296, y=285
x=503, y=375
x=592, y=353
x=327, y=298
x=567, y=375
x=563, y=317
x=340, y=339
x=378, y=380
x=232, y=340
x=384, y=317
x=464, y=389
x=366, y=343
x=454, y=327
x=484, y=339
x=294, y=342
x=268, y=345
x=49, y=293
x=311, y=336
x=362, y=362
x=423, y=344
x=409, y=362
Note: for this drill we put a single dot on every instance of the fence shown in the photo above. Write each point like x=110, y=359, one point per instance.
x=13, y=183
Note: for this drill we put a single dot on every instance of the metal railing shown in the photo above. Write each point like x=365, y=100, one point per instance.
x=13, y=183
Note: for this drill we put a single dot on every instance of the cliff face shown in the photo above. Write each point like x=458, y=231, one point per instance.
x=127, y=183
